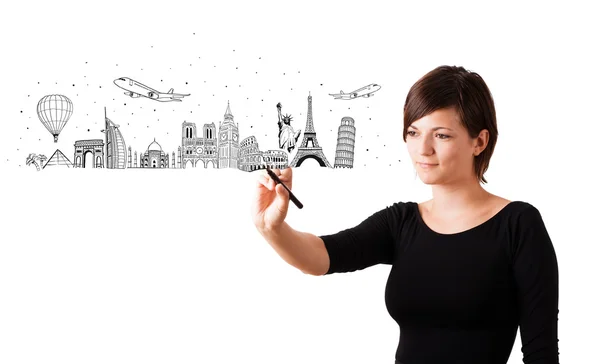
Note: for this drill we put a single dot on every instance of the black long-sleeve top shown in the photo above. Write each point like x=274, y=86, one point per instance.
x=459, y=298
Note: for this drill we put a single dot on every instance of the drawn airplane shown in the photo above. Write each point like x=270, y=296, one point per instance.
x=366, y=91
x=135, y=89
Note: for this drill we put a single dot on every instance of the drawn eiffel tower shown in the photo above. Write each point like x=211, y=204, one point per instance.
x=314, y=151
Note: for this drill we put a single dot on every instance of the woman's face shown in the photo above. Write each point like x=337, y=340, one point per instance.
x=440, y=148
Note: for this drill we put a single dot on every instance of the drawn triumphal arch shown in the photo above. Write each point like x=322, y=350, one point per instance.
x=94, y=146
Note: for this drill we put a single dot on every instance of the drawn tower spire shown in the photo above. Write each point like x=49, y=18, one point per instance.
x=228, y=114
x=313, y=151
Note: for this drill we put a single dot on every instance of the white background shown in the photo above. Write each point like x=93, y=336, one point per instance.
x=157, y=266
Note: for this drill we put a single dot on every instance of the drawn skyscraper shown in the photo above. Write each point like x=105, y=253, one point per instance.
x=310, y=137
x=344, y=151
x=116, y=151
x=229, y=143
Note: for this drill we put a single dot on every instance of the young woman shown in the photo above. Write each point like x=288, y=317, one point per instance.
x=468, y=267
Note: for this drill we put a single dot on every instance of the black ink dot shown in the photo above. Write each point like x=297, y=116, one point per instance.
x=21, y=111
x=367, y=150
x=259, y=57
x=225, y=85
x=321, y=84
x=73, y=85
x=284, y=74
x=27, y=128
x=236, y=68
x=125, y=104
x=38, y=83
x=88, y=129
x=186, y=82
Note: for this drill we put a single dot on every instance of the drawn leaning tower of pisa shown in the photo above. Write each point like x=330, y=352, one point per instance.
x=344, y=150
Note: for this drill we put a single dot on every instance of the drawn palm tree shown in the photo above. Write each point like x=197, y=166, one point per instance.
x=36, y=160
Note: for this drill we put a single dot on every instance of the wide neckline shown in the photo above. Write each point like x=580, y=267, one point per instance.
x=486, y=222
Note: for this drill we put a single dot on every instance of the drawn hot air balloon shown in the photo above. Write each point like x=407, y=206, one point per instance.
x=54, y=111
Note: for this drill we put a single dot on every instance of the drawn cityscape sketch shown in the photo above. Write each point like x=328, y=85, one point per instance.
x=216, y=145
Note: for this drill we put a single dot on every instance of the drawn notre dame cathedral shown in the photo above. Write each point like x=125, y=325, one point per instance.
x=194, y=149
x=310, y=146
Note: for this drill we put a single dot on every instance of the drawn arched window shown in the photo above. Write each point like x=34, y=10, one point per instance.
x=78, y=161
x=154, y=164
x=98, y=162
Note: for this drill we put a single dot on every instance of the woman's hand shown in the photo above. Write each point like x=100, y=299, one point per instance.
x=271, y=200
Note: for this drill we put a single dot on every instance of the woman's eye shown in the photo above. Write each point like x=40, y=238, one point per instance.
x=444, y=136
x=410, y=132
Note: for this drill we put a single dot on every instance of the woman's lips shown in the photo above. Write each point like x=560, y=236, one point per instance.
x=426, y=165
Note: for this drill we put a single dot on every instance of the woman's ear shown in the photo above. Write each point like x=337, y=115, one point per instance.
x=482, y=141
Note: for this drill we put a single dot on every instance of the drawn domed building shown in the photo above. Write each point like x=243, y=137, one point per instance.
x=154, y=157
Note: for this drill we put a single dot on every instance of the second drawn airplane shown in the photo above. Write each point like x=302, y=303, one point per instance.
x=366, y=91
x=135, y=89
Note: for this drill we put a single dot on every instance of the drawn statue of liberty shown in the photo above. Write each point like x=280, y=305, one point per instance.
x=287, y=136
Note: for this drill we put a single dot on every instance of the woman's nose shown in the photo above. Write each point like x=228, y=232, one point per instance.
x=425, y=146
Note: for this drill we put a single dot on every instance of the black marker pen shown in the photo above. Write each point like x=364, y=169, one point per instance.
x=277, y=180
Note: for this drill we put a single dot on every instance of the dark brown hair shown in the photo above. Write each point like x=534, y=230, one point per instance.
x=452, y=86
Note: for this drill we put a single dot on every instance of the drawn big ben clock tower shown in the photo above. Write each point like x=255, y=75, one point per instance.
x=229, y=144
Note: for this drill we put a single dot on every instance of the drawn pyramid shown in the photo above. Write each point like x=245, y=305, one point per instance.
x=58, y=159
